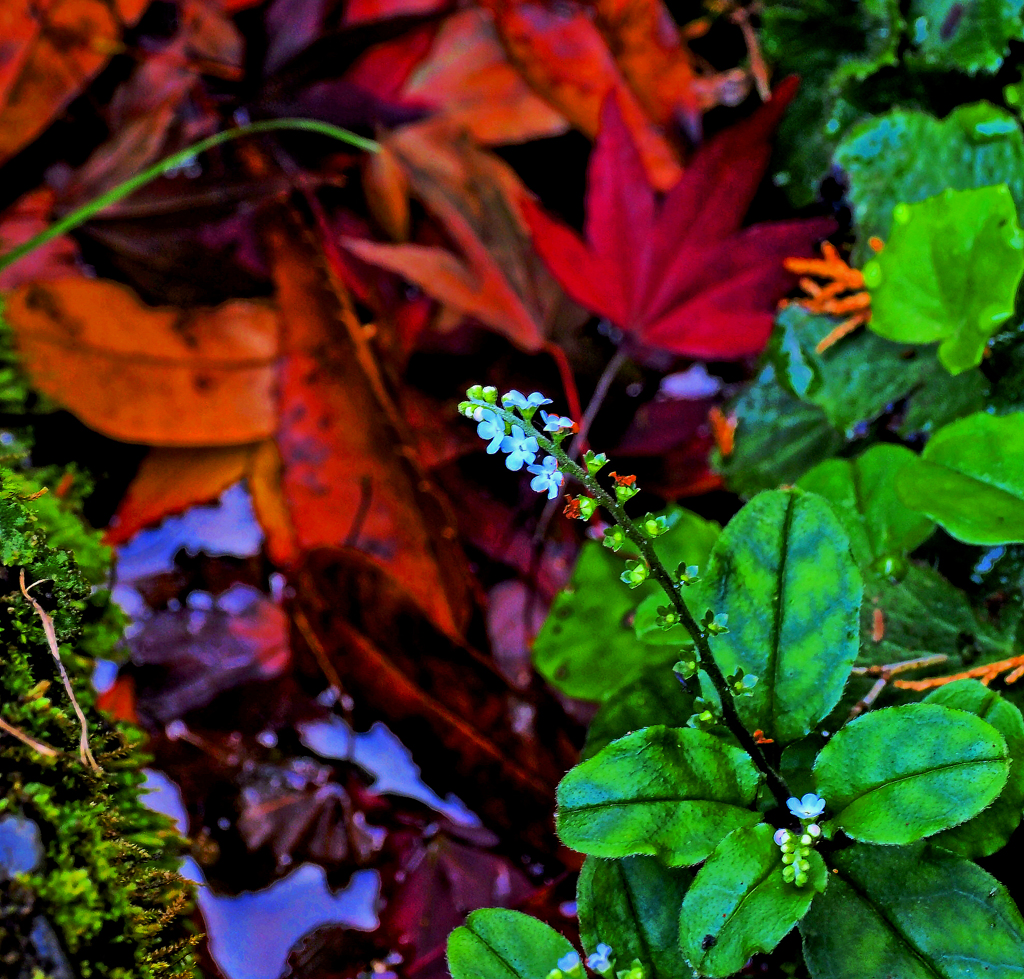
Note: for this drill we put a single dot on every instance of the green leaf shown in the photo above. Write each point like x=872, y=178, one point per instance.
x=949, y=273
x=673, y=793
x=896, y=775
x=495, y=943
x=782, y=571
x=990, y=830
x=633, y=905
x=970, y=479
x=655, y=697
x=957, y=36
x=906, y=156
x=778, y=437
x=916, y=912
x=739, y=904
x=862, y=492
x=587, y=647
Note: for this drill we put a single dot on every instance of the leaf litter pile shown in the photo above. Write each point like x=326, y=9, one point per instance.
x=255, y=361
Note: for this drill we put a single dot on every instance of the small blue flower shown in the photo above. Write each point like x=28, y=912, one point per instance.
x=555, y=423
x=520, y=448
x=809, y=807
x=547, y=477
x=516, y=398
x=602, y=960
x=492, y=426
x=569, y=963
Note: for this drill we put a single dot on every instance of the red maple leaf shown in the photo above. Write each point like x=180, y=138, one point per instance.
x=680, y=274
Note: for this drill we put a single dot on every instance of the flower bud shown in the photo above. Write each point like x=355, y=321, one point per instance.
x=806, y=839
x=475, y=392
x=814, y=830
x=490, y=394
x=804, y=865
x=788, y=858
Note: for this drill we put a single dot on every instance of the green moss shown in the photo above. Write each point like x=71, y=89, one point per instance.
x=106, y=881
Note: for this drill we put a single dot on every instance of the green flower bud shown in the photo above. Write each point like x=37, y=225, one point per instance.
x=806, y=839
x=490, y=394
x=814, y=830
x=788, y=858
x=804, y=865
x=595, y=462
x=475, y=392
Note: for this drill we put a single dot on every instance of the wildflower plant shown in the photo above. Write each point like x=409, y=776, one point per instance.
x=760, y=803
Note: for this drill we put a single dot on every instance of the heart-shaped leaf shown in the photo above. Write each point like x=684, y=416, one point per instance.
x=783, y=573
x=894, y=776
x=949, y=272
x=739, y=904
x=674, y=793
x=970, y=478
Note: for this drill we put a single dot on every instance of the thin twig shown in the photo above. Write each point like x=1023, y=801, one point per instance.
x=705, y=657
x=885, y=673
x=51, y=638
x=986, y=673
x=38, y=746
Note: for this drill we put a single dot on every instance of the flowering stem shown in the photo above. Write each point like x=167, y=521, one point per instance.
x=82, y=214
x=705, y=657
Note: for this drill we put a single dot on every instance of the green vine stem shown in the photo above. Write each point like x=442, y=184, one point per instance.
x=82, y=214
x=705, y=658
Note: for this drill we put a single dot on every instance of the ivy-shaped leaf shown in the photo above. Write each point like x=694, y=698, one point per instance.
x=632, y=905
x=783, y=573
x=862, y=492
x=674, y=793
x=957, y=36
x=496, y=943
x=896, y=775
x=970, y=479
x=948, y=273
x=905, y=156
x=915, y=912
x=739, y=904
x=990, y=830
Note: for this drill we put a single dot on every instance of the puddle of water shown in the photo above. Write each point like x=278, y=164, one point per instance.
x=384, y=757
x=251, y=934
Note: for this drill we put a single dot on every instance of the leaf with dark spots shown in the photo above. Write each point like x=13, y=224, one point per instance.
x=445, y=700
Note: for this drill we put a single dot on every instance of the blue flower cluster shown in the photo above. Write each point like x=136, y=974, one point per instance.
x=521, y=449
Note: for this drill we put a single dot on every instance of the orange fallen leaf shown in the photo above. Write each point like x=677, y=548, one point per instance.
x=171, y=480
x=467, y=77
x=877, y=625
x=348, y=474
x=164, y=377
x=562, y=54
x=501, y=283
x=52, y=48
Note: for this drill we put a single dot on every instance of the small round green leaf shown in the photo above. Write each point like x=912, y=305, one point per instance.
x=990, y=830
x=915, y=912
x=496, y=943
x=674, y=793
x=862, y=492
x=739, y=904
x=896, y=775
x=633, y=905
x=783, y=573
x=970, y=479
x=949, y=272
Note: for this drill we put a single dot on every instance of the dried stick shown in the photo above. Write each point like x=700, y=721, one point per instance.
x=986, y=673
x=885, y=674
x=38, y=746
x=51, y=638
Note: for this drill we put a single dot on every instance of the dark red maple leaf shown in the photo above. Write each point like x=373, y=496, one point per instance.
x=680, y=274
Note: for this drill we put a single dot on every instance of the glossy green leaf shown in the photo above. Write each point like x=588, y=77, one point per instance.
x=915, y=912
x=674, y=793
x=587, y=647
x=862, y=492
x=899, y=774
x=496, y=943
x=739, y=904
x=633, y=905
x=655, y=697
x=782, y=571
x=778, y=437
x=956, y=36
x=990, y=829
x=970, y=479
x=948, y=273
x=906, y=156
